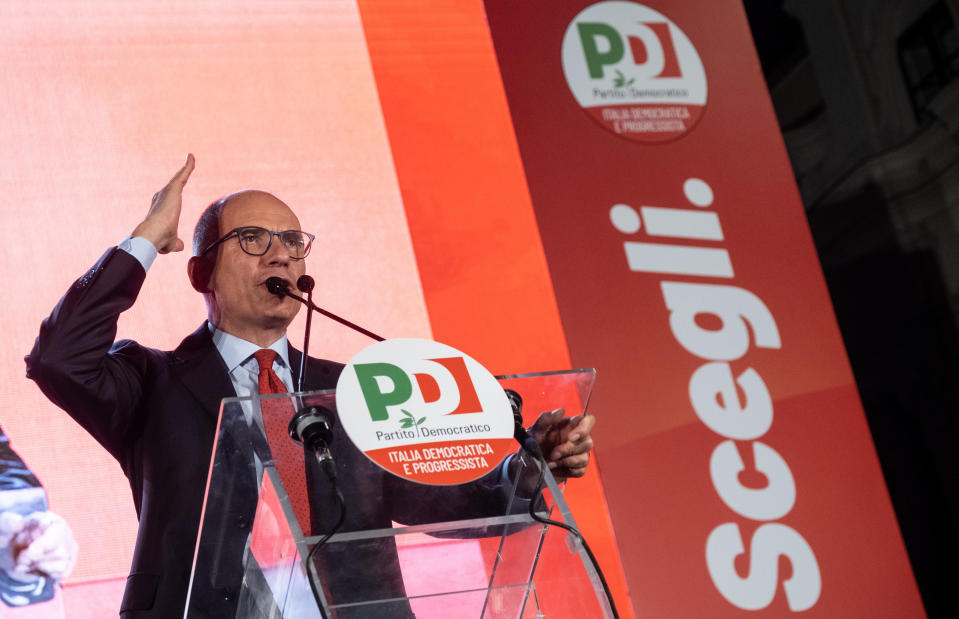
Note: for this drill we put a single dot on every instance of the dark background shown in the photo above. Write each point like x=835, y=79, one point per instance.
x=867, y=97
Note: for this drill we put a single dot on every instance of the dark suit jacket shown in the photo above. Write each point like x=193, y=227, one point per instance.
x=156, y=413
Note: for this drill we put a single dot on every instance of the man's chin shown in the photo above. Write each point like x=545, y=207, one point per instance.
x=281, y=316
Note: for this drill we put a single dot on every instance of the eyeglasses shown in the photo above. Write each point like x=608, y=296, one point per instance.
x=256, y=241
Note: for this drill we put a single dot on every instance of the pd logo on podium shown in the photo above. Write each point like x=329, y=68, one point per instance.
x=425, y=411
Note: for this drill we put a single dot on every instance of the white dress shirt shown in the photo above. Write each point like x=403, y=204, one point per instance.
x=237, y=354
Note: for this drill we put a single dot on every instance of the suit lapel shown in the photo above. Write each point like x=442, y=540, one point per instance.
x=294, y=357
x=199, y=366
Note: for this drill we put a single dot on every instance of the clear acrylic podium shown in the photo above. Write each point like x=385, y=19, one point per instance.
x=405, y=549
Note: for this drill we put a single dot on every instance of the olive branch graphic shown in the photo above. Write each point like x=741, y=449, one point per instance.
x=409, y=421
x=620, y=80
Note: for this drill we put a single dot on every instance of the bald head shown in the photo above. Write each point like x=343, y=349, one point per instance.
x=208, y=230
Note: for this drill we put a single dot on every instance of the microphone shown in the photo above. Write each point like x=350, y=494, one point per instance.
x=304, y=284
x=519, y=432
x=277, y=285
x=312, y=427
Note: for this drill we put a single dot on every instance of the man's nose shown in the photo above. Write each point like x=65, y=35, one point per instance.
x=277, y=253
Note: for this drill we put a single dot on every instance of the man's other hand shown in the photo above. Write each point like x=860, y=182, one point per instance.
x=564, y=441
x=163, y=219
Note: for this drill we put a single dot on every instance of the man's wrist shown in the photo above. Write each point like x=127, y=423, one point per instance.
x=140, y=248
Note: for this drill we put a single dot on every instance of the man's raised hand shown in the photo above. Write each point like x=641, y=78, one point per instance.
x=163, y=219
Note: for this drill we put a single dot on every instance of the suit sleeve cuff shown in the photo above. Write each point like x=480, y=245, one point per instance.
x=140, y=248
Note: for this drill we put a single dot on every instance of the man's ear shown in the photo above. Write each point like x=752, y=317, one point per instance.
x=200, y=269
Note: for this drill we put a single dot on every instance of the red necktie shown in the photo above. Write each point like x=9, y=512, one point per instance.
x=269, y=382
x=287, y=455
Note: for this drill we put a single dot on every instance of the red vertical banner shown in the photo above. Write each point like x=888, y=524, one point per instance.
x=734, y=452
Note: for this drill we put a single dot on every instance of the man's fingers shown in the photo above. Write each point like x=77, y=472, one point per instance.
x=567, y=440
x=569, y=448
x=577, y=472
x=183, y=174
x=548, y=419
x=176, y=245
x=581, y=426
x=178, y=182
x=575, y=428
x=162, y=220
x=572, y=466
x=576, y=436
x=547, y=428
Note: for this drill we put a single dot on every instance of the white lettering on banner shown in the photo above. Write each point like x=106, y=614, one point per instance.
x=769, y=503
x=757, y=590
x=682, y=223
x=678, y=259
x=743, y=320
x=735, y=307
x=716, y=402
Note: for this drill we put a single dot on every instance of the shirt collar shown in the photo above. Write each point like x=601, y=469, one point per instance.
x=235, y=351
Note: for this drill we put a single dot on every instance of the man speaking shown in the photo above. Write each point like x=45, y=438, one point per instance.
x=156, y=411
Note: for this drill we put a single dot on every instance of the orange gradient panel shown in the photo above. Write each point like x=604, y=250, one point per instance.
x=481, y=261
x=102, y=100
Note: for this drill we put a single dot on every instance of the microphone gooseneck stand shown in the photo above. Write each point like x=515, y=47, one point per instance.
x=306, y=284
x=279, y=287
x=312, y=426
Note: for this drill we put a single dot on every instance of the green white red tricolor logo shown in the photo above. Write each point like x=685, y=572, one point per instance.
x=634, y=71
x=425, y=411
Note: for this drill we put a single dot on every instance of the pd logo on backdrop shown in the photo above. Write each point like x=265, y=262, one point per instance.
x=425, y=411
x=634, y=71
